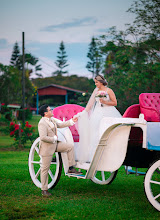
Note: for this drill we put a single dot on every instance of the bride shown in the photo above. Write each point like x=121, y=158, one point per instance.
x=101, y=104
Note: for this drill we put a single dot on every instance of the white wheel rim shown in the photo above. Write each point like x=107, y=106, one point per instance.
x=152, y=185
x=103, y=177
x=35, y=174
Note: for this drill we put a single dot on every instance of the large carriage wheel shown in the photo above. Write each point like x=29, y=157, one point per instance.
x=104, y=177
x=35, y=166
x=152, y=185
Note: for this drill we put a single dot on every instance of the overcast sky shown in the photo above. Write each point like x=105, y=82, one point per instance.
x=48, y=22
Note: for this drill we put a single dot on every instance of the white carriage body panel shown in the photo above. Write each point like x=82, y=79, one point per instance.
x=111, y=151
x=115, y=148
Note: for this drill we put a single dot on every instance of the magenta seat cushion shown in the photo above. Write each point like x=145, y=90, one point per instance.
x=150, y=106
x=67, y=112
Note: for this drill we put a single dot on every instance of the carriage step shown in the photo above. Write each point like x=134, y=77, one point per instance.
x=78, y=176
x=136, y=172
x=130, y=171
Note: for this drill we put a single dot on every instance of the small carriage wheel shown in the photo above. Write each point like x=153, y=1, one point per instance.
x=35, y=166
x=152, y=184
x=104, y=177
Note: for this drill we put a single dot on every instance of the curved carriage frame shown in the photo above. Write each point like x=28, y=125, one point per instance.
x=110, y=155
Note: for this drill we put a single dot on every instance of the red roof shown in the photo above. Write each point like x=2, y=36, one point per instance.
x=54, y=89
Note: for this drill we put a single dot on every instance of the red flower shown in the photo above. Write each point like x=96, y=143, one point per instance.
x=22, y=130
x=2, y=104
x=12, y=123
x=16, y=127
x=27, y=123
x=11, y=133
x=29, y=134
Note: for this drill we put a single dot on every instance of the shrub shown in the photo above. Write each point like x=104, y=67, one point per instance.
x=22, y=133
x=6, y=112
x=27, y=113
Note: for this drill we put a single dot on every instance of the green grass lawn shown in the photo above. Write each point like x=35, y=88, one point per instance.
x=72, y=198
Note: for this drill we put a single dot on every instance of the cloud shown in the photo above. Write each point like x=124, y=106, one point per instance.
x=102, y=30
x=87, y=21
x=3, y=43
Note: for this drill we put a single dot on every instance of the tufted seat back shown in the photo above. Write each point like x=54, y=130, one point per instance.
x=66, y=112
x=150, y=106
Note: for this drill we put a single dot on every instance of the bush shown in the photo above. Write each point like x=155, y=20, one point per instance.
x=21, y=134
x=27, y=113
x=6, y=112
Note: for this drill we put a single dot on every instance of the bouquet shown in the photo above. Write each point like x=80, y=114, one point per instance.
x=101, y=94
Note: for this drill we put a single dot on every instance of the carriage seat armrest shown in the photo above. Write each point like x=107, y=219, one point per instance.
x=150, y=113
x=132, y=111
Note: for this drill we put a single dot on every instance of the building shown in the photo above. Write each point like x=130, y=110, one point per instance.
x=56, y=94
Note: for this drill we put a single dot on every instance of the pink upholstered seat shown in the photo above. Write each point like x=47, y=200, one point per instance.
x=66, y=112
x=150, y=106
x=132, y=111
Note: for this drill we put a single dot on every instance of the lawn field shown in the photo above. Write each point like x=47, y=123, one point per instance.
x=72, y=198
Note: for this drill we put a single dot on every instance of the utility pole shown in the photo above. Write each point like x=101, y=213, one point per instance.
x=23, y=80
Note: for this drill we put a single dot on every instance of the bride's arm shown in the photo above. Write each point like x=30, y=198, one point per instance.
x=112, y=101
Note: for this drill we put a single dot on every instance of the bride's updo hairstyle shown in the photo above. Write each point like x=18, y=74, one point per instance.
x=101, y=79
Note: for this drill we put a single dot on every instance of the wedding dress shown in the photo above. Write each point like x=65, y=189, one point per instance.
x=89, y=126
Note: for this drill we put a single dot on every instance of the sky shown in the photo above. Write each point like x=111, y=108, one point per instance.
x=48, y=22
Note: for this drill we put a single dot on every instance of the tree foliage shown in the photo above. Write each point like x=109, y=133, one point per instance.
x=15, y=56
x=94, y=64
x=132, y=66
x=147, y=20
x=31, y=62
x=11, y=86
x=61, y=62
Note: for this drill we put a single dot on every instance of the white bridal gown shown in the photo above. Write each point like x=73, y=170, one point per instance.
x=89, y=127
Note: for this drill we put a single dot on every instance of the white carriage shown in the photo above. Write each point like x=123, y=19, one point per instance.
x=115, y=149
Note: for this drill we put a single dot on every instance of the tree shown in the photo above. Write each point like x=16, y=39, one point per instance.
x=33, y=61
x=146, y=26
x=131, y=67
x=94, y=65
x=15, y=56
x=147, y=19
x=11, y=86
x=30, y=60
x=61, y=62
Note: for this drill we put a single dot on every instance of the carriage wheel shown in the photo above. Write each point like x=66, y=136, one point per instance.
x=35, y=166
x=104, y=177
x=152, y=184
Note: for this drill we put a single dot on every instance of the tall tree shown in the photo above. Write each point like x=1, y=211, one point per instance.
x=61, y=62
x=15, y=56
x=30, y=60
x=146, y=26
x=11, y=86
x=94, y=65
x=147, y=19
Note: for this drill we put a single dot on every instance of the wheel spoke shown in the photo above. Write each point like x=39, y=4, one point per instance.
x=157, y=196
x=103, y=176
x=51, y=174
x=155, y=182
x=37, y=174
x=55, y=163
x=37, y=162
x=37, y=150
